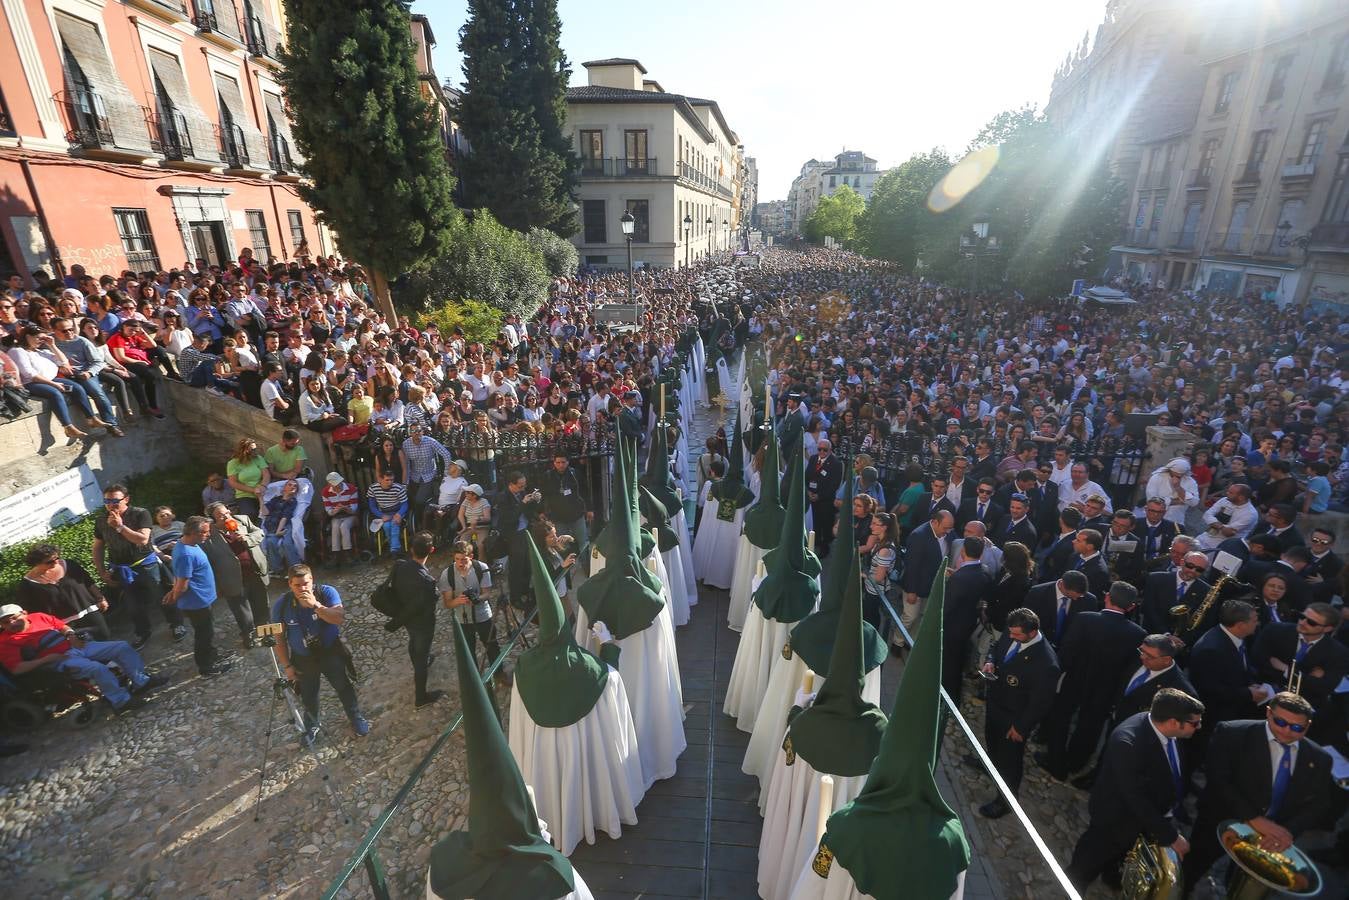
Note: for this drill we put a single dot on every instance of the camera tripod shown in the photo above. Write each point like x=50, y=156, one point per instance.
x=282, y=689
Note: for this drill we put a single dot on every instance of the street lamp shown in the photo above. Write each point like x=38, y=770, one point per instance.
x=709, y=223
x=973, y=244
x=688, y=224
x=629, y=225
x=1282, y=233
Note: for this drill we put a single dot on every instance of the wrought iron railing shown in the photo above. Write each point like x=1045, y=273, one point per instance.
x=87, y=124
x=619, y=167
x=256, y=39
x=233, y=147
x=6, y=123
x=278, y=150
x=169, y=136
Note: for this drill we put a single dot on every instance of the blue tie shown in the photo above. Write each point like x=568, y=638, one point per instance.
x=1302, y=648
x=1077, y=566
x=1241, y=651
x=1063, y=614
x=1180, y=591
x=1282, y=776
x=1138, y=679
x=981, y=512
x=1152, y=542
x=1273, y=612
x=1011, y=653
x=1174, y=761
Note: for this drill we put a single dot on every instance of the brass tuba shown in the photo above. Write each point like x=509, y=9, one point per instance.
x=1209, y=599
x=1264, y=873
x=1150, y=872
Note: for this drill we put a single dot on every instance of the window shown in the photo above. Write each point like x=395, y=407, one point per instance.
x=1236, y=226
x=641, y=230
x=1142, y=215
x=592, y=217
x=1279, y=78
x=1338, y=69
x=597, y=260
x=1157, y=209
x=133, y=227
x=1191, y=225
x=257, y=236
x=592, y=151
x=1259, y=147
x=1313, y=143
x=634, y=148
x=1225, y=89
x=833, y=181
x=1206, y=157
x=1337, y=206
x=296, y=220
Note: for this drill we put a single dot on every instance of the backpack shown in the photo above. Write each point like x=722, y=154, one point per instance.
x=384, y=599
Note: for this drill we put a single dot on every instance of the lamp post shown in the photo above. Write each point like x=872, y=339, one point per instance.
x=688, y=224
x=726, y=230
x=973, y=244
x=709, y=223
x=629, y=224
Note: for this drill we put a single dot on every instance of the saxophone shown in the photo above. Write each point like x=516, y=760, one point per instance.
x=1209, y=599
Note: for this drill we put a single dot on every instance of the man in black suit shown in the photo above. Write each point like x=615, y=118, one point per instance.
x=1321, y=663
x=824, y=474
x=1220, y=666
x=1017, y=524
x=1185, y=587
x=934, y=500
x=1157, y=669
x=1090, y=562
x=1154, y=531
x=1027, y=672
x=1291, y=565
x=1248, y=780
x=1280, y=521
x=1044, y=499
x=981, y=507
x=1058, y=603
x=1095, y=652
x=966, y=589
x=1323, y=572
x=1058, y=558
x=1094, y=515
x=1181, y=544
x=924, y=556
x=1123, y=550
x=1143, y=783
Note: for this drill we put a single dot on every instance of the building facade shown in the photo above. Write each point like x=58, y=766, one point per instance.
x=817, y=180
x=670, y=160
x=140, y=134
x=771, y=217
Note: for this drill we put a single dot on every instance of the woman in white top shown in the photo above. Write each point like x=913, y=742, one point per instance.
x=173, y=337
x=316, y=410
x=42, y=368
x=475, y=515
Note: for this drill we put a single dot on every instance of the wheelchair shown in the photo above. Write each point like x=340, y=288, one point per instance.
x=377, y=539
x=30, y=699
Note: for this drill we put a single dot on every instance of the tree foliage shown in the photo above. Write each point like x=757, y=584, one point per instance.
x=835, y=217
x=487, y=262
x=559, y=254
x=512, y=112
x=376, y=165
x=897, y=222
x=479, y=322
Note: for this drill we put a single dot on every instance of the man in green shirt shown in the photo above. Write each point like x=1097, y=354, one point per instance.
x=286, y=460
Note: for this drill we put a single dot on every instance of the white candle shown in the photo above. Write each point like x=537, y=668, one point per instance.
x=810, y=540
x=826, y=805
x=808, y=682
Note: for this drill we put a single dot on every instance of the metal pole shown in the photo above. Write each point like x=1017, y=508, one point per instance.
x=686, y=248
x=631, y=297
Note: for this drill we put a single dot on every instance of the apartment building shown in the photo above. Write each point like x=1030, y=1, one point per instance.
x=670, y=160
x=817, y=180
x=140, y=134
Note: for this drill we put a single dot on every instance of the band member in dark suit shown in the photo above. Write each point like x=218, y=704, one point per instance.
x=1164, y=591
x=966, y=590
x=981, y=506
x=1220, y=666
x=1087, y=545
x=1044, y=499
x=1123, y=550
x=1264, y=772
x=1027, y=672
x=1095, y=653
x=1017, y=524
x=1058, y=557
x=1292, y=563
x=1323, y=572
x=1280, y=521
x=1181, y=544
x=924, y=555
x=1261, y=556
x=823, y=476
x=1320, y=663
x=1058, y=603
x=934, y=500
x=1155, y=532
x=1157, y=658
x=1094, y=515
x=1022, y=483
x=1142, y=784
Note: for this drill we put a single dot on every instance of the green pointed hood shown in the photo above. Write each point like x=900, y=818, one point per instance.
x=657, y=517
x=898, y=837
x=763, y=523
x=657, y=478
x=840, y=732
x=559, y=682
x=502, y=855
x=791, y=586
x=623, y=595
x=813, y=637
x=731, y=489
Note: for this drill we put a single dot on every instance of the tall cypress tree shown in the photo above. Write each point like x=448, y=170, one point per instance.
x=376, y=165
x=522, y=166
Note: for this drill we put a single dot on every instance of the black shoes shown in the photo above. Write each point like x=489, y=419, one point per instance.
x=154, y=683
x=431, y=697
x=1085, y=782
x=139, y=642
x=130, y=706
x=1042, y=760
x=995, y=809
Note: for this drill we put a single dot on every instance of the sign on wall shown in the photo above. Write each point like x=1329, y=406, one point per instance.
x=35, y=511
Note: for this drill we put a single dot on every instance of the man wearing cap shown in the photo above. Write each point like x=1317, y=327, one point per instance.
x=30, y=641
x=419, y=454
x=340, y=503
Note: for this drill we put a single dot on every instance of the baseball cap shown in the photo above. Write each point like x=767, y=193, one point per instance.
x=334, y=478
x=952, y=421
x=10, y=609
x=474, y=489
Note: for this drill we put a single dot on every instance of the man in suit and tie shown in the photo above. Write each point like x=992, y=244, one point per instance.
x=1220, y=666
x=1087, y=545
x=1317, y=659
x=1155, y=531
x=1146, y=785
x=1181, y=544
x=924, y=555
x=934, y=500
x=1026, y=673
x=1157, y=669
x=1323, y=572
x=1058, y=557
x=824, y=474
x=1280, y=521
x=1094, y=514
x=1123, y=550
x=1044, y=498
x=981, y=507
x=1017, y=524
x=1057, y=603
x=1262, y=554
x=1164, y=591
x=1095, y=653
x=1267, y=773
x=966, y=589
x=1291, y=565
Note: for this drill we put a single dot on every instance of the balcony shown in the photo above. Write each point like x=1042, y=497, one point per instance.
x=219, y=26
x=168, y=9
x=1329, y=237
x=1232, y=243
x=1182, y=240
x=1298, y=169
x=169, y=136
x=1199, y=179
x=278, y=152
x=1138, y=237
x=86, y=118
x=206, y=21
x=619, y=167
x=233, y=148
x=262, y=40
x=1249, y=174
x=706, y=182
x=6, y=123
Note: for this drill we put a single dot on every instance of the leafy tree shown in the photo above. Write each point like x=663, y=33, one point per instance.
x=835, y=217
x=485, y=261
x=479, y=322
x=512, y=110
x=376, y=166
x=897, y=222
x=559, y=254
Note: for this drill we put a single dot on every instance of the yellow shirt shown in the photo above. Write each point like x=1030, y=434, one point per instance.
x=360, y=409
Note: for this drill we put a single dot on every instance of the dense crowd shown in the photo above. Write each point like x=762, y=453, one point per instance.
x=1002, y=438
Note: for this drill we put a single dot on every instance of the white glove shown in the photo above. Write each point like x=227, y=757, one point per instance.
x=601, y=633
x=803, y=699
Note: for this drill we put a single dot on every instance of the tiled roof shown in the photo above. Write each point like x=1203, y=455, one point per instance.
x=615, y=61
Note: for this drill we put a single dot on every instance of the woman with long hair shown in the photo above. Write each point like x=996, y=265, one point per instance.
x=40, y=364
x=119, y=384
x=388, y=459
x=877, y=564
x=248, y=473
x=1015, y=579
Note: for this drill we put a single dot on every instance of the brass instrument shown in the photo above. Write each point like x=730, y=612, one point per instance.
x=1293, y=684
x=1150, y=872
x=1263, y=873
x=1209, y=599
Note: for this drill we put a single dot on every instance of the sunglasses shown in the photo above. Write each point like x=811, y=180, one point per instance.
x=1317, y=540
x=112, y=501
x=1195, y=568
x=983, y=492
x=1310, y=621
x=51, y=562
x=1291, y=726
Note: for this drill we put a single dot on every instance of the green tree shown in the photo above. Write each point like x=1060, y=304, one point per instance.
x=487, y=262
x=835, y=217
x=559, y=254
x=897, y=224
x=375, y=163
x=512, y=111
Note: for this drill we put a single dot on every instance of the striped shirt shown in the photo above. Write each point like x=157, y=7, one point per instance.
x=386, y=501
x=341, y=499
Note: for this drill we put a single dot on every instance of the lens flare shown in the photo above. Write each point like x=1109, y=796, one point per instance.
x=964, y=177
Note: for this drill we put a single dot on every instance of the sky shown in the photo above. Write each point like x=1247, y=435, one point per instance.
x=798, y=79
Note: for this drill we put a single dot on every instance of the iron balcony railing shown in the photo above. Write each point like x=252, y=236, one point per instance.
x=619, y=167
x=259, y=39
x=1249, y=174
x=87, y=123
x=706, y=182
x=169, y=136
x=204, y=19
x=1297, y=167
x=233, y=148
x=6, y=123
x=279, y=153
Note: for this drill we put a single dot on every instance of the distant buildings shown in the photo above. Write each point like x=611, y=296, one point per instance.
x=822, y=179
x=771, y=218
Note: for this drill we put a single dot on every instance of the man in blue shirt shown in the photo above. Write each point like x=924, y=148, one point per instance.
x=312, y=616
x=194, y=593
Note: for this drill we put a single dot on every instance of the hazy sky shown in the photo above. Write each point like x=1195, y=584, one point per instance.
x=798, y=80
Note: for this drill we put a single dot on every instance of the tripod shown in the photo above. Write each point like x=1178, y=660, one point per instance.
x=283, y=689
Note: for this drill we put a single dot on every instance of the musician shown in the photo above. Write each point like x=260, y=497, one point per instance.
x=1157, y=669
x=1095, y=654
x=1271, y=604
x=1321, y=661
x=966, y=590
x=1220, y=666
x=1323, y=572
x=1094, y=514
x=1143, y=786
x=1027, y=672
x=1248, y=780
x=1017, y=525
x=1087, y=545
x=981, y=507
x=1123, y=550
x=1174, y=560
x=1058, y=603
x=1280, y=521
x=1291, y=564
x=1155, y=531
x=1164, y=592
x=1058, y=558
x=1257, y=553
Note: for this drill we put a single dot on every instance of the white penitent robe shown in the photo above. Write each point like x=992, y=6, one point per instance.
x=681, y=527
x=761, y=640
x=730, y=388
x=747, y=559
x=672, y=563
x=839, y=885
x=790, y=819
x=715, y=543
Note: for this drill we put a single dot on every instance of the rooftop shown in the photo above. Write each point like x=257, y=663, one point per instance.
x=614, y=61
x=593, y=93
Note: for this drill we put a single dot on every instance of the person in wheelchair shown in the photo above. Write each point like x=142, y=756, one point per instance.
x=445, y=510
x=35, y=641
x=388, y=506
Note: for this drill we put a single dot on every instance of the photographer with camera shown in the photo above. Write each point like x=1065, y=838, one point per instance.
x=464, y=588
x=312, y=617
x=415, y=588
x=512, y=512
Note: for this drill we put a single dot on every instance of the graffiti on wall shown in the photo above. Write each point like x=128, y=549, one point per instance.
x=94, y=259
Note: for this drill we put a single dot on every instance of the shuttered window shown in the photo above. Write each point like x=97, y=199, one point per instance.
x=257, y=236
x=93, y=89
x=232, y=103
x=168, y=72
x=277, y=121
